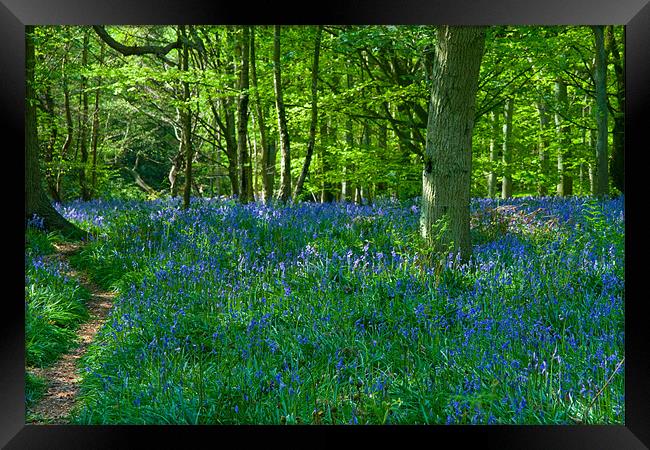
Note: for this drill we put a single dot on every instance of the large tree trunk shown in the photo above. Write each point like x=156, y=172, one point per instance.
x=284, y=193
x=494, y=154
x=36, y=201
x=314, y=116
x=246, y=178
x=602, y=176
x=565, y=181
x=446, y=178
x=506, y=185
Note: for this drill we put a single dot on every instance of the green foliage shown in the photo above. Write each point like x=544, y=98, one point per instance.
x=35, y=388
x=54, y=304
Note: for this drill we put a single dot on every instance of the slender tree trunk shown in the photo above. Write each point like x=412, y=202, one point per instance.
x=186, y=121
x=543, y=144
x=565, y=182
x=49, y=156
x=329, y=132
x=245, y=175
x=617, y=161
x=231, y=146
x=267, y=169
x=314, y=116
x=602, y=176
x=83, y=123
x=446, y=178
x=494, y=154
x=285, y=163
x=506, y=186
x=36, y=201
x=95, y=129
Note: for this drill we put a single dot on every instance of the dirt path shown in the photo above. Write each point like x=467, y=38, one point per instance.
x=62, y=378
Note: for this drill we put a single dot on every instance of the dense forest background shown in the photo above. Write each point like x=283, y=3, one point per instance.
x=317, y=113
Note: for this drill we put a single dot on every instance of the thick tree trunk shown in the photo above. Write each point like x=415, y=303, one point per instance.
x=246, y=178
x=494, y=154
x=284, y=193
x=506, y=184
x=36, y=201
x=602, y=186
x=565, y=181
x=446, y=178
x=314, y=115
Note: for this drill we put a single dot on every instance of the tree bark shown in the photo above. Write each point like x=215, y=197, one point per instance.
x=36, y=201
x=314, y=115
x=506, y=185
x=446, y=178
x=284, y=193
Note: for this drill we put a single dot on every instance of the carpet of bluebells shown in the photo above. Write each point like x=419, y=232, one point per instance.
x=330, y=314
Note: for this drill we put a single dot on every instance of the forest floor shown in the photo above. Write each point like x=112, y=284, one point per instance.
x=62, y=378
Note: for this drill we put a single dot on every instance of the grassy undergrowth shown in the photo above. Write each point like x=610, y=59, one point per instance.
x=326, y=314
x=54, y=307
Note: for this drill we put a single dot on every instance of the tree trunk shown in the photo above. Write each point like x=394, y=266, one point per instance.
x=36, y=201
x=314, y=116
x=617, y=161
x=328, y=135
x=446, y=178
x=83, y=123
x=186, y=121
x=49, y=156
x=543, y=147
x=95, y=129
x=267, y=167
x=494, y=154
x=602, y=176
x=565, y=182
x=284, y=193
x=245, y=178
x=506, y=186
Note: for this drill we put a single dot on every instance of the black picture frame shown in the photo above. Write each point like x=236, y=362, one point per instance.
x=635, y=14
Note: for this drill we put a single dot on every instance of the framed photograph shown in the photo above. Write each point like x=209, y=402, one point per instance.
x=164, y=130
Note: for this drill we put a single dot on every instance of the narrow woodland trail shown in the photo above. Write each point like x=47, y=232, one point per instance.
x=62, y=378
